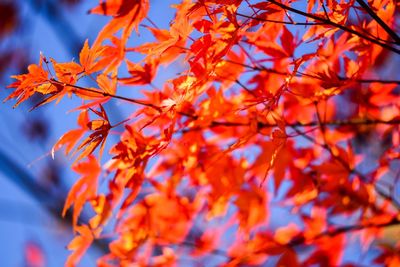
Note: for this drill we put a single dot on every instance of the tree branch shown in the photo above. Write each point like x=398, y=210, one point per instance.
x=300, y=74
x=389, y=31
x=341, y=230
x=348, y=168
x=232, y=123
x=105, y=94
x=337, y=25
x=281, y=22
x=337, y=123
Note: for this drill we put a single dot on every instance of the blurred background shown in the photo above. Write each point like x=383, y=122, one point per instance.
x=32, y=185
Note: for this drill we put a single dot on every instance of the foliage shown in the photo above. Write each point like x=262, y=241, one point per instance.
x=279, y=107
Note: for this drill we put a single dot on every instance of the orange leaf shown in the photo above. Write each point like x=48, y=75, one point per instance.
x=84, y=189
x=70, y=139
x=79, y=245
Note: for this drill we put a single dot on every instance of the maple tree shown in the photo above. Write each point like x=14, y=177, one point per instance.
x=279, y=107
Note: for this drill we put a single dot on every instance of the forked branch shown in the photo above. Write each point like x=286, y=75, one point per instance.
x=336, y=25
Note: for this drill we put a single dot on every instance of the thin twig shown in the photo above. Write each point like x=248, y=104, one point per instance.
x=281, y=22
x=212, y=124
x=341, y=230
x=301, y=74
x=105, y=94
x=337, y=25
x=389, y=31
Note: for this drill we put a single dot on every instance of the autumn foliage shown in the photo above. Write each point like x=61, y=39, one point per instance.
x=275, y=141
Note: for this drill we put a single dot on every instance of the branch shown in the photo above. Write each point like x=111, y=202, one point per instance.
x=334, y=24
x=372, y=80
x=348, y=168
x=341, y=161
x=301, y=240
x=389, y=31
x=300, y=74
x=235, y=124
x=262, y=125
x=387, y=197
x=281, y=22
x=337, y=123
x=341, y=230
x=105, y=94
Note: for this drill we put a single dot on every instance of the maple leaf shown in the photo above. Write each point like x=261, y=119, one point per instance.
x=83, y=190
x=100, y=128
x=284, y=235
x=288, y=258
x=79, y=245
x=89, y=58
x=36, y=80
x=128, y=15
x=251, y=204
x=112, y=55
x=116, y=8
x=168, y=47
x=67, y=72
x=70, y=138
x=140, y=74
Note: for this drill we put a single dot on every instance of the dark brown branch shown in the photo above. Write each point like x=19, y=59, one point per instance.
x=340, y=123
x=342, y=230
x=371, y=81
x=389, y=31
x=347, y=167
x=337, y=25
x=324, y=8
x=300, y=74
x=342, y=161
x=271, y=125
x=301, y=240
x=235, y=124
x=387, y=197
x=105, y=94
x=281, y=22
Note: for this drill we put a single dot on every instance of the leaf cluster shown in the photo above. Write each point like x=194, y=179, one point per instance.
x=276, y=110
